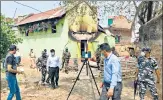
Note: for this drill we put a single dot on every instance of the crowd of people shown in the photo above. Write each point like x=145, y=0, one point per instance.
x=112, y=81
x=49, y=65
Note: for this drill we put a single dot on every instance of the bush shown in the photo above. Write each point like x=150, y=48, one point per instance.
x=7, y=36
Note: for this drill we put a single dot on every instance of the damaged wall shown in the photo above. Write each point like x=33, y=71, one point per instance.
x=151, y=32
x=151, y=36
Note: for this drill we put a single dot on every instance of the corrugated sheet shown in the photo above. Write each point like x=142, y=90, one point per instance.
x=44, y=15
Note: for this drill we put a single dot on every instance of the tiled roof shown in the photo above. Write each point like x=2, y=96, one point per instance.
x=120, y=22
x=43, y=15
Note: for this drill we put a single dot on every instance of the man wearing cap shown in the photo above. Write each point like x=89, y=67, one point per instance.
x=112, y=81
x=41, y=63
x=66, y=57
x=145, y=76
x=53, y=68
x=11, y=71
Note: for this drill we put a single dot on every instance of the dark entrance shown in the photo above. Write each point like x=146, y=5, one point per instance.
x=83, y=46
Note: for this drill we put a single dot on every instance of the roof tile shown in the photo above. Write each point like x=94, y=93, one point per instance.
x=43, y=15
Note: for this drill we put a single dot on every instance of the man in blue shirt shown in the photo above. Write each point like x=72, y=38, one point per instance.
x=112, y=82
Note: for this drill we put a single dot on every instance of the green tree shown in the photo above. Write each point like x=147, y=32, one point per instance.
x=7, y=36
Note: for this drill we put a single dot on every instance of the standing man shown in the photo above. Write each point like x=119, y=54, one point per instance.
x=41, y=63
x=48, y=78
x=98, y=57
x=11, y=71
x=112, y=81
x=146, y=67
x=65, y=58
x=53, y=68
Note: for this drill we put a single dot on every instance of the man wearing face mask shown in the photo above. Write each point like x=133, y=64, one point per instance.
x=112, y=81
x=53, y=68
x=141, y=58
x=146, y=66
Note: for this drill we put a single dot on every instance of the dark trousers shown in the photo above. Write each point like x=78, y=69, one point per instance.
x=54, y=72
x=116, y=94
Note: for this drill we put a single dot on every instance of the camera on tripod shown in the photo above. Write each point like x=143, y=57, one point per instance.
x=85, y=54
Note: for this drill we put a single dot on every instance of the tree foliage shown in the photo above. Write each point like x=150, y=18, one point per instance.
x=149, y=10
x=7, y=36
x=146, y=11
x=101, y=9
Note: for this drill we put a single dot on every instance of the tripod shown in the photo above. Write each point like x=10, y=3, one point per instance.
x=86, y=62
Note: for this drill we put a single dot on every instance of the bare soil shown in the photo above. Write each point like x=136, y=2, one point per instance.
x=84, y=88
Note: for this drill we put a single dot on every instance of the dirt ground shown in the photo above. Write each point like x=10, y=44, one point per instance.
x=84, y=89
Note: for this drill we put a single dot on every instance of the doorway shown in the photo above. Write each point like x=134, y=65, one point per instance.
x=83, y=46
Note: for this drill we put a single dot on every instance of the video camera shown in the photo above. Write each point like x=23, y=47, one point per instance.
x=86, y=54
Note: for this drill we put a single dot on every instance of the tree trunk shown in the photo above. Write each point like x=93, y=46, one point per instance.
x=150, y=8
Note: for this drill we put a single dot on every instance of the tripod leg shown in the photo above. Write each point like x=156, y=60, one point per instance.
x=76, y=80
x=93, y=78
x=87, y=68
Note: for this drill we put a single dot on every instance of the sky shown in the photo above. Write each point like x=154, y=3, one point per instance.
x=8, y=7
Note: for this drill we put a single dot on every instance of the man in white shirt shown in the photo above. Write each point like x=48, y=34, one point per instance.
x=53, y=68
